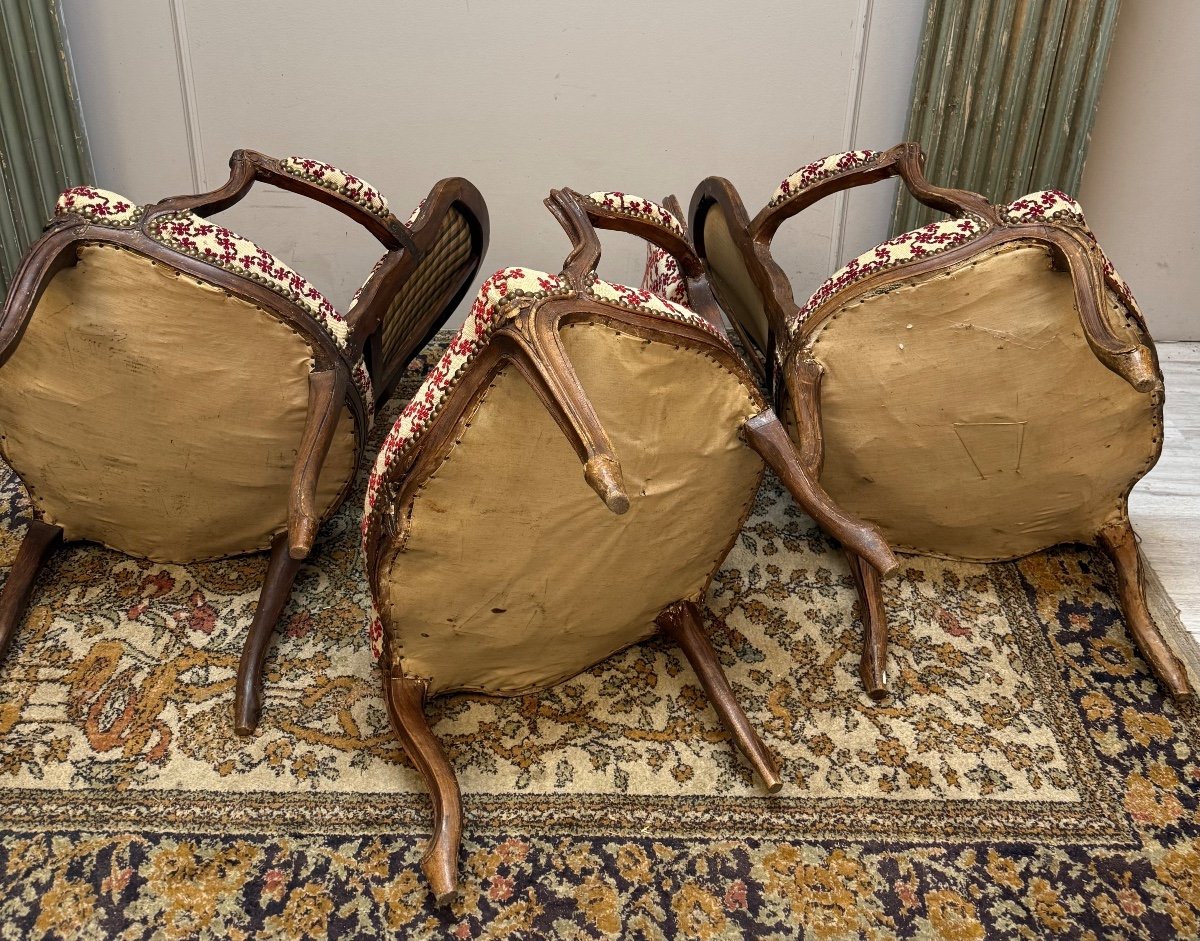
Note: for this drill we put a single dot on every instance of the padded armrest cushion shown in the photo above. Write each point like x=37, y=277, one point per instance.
x=819, y=170
x=352, y=187
x=98, y=205
x=629, y=205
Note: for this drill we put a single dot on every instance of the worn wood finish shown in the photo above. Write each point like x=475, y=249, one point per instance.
x=41, y=539
x=367, y=319
x=1120, y=542
x=330, y=388
x=326, y=392
x=766, y=435
x=528, y=339
x=797, y=378
x=276, y=589
x=872, y=664
x=683, y=624
x=405, y=698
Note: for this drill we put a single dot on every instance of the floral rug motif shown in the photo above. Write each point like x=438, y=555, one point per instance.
x=1025, y=779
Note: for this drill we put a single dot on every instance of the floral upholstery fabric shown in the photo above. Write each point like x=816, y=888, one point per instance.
x=640, y=208
x=216, y=245
x=353, y=188
x=903, y=249
x=98, y=205
x=663, y=277
x=1057, y=207
x=819, y=170
x=1049, y=206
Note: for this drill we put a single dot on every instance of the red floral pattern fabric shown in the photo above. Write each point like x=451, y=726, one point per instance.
x=98, y=205
x=1048, y=206
x=353, y=188
x=663, y=277
x=629, y=205
x=819, y=170
x=904, y=249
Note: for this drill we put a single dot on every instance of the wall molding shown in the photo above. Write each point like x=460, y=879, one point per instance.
x=187, y=94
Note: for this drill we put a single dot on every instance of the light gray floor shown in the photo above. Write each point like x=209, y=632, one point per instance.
x=1165, y=506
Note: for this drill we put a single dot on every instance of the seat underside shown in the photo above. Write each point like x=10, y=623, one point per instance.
x=511, y=575
x=965, y=413
x=158, y=415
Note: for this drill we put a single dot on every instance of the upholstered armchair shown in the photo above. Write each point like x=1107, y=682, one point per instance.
x=982, y=388
x=497, y=563
x=174, y=391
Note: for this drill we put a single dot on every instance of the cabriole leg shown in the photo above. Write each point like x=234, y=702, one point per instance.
x=681, y=622
x=41, y=539
x=872, y=667
x=1119, y=541
x=277, y=588
x=406, y=707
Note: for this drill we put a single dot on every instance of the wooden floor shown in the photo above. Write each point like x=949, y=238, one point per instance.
x=1165, y=506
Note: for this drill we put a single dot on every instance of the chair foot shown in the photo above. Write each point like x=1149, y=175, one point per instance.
x=872, y=666
x=277, y=588
x=681, y=622
x=1120, y=542
x=405, y=698
x=41, y=539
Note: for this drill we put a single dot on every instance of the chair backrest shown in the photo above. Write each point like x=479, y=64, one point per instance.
x=983, y=387
x=492, y=562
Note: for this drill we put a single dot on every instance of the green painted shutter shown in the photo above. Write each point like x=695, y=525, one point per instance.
x=42, y=146
x=1005, y=96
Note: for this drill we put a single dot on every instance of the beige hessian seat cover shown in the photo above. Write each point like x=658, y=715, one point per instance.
x=509, y=574
x=159, y=415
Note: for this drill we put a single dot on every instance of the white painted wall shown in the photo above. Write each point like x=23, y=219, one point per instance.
x=518, y=97
x=1140, y=188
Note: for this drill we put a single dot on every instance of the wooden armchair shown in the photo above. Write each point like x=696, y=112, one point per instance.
x=172, y=390
x=982, y=388
x=493, y=566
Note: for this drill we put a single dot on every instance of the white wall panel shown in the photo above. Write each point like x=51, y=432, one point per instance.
x=648, y=98
x=1139, y=190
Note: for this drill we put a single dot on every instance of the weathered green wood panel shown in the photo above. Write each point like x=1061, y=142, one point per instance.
x=42, y=147
x=1005, y=95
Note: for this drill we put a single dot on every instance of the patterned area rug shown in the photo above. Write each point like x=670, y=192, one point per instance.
x=1025, y=779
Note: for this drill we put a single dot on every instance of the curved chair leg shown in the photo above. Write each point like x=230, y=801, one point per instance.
x=766, y=435
x=1119, y=541
x=534, y=346
x=681, y=622
x=277, y=588
x=406, y=707
x=41, y=539
x=326, y=393
x=872, y=667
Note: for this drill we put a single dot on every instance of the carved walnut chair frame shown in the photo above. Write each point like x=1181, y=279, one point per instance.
x=527, y=339
x=375, y=326
x=784, y=358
